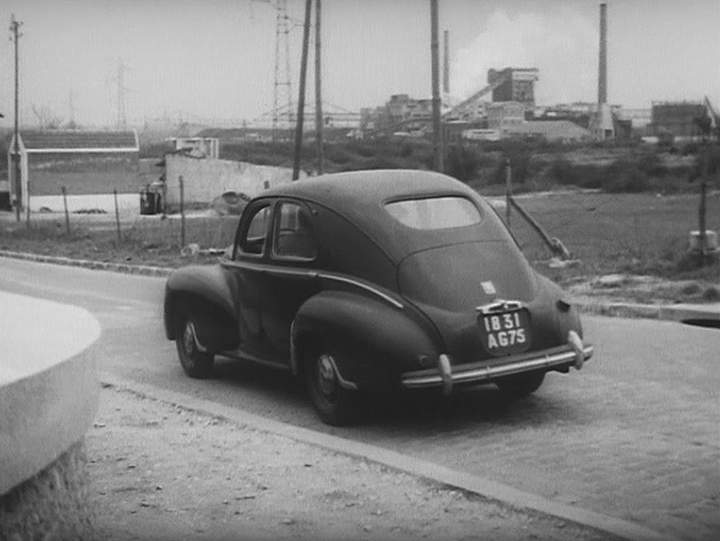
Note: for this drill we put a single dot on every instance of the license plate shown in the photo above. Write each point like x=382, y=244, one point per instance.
x=506, y=332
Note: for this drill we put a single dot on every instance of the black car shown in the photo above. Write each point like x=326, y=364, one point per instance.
x=375, y=281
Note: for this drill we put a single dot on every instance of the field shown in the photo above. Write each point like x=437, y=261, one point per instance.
x=607, y=233
x=637, y=233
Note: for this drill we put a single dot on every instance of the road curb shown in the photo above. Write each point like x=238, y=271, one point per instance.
x=145, y=270
x=665, y=312
x=484, y=488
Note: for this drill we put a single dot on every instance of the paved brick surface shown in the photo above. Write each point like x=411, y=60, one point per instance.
x=640, y=442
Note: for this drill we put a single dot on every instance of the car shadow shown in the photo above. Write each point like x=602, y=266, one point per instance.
x=472, y=408
x=477, y=407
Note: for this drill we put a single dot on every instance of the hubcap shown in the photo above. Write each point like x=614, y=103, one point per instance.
x=189, y=337
x=326, y=375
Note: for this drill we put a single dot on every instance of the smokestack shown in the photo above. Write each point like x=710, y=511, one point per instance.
x=602, y=67
x=446, y=67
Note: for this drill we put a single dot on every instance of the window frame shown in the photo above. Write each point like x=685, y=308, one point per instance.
x=275, y=230
x=244, y=226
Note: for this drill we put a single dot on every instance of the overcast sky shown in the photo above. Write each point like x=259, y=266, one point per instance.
x=216, y=58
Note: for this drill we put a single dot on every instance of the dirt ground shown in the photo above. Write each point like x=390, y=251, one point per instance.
x=160, y=471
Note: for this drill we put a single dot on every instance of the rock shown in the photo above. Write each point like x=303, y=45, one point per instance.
x=610, y=280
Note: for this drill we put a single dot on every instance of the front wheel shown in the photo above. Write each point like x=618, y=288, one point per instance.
x=521, y=385
x=334, y=404
x=195, y=362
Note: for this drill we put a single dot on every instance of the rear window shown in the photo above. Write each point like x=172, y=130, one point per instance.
x=435, y=212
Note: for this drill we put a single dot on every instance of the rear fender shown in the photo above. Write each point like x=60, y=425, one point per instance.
x=374, y=341
x=205, y=293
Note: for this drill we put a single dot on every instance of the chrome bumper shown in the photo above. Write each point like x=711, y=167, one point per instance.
x=575, y=353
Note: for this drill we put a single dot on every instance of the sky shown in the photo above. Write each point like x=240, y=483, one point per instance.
x=215, y=59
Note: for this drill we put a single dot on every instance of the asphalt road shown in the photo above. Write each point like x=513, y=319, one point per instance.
x=634, y=435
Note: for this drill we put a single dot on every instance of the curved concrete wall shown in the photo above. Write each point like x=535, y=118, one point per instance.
x=48, y=383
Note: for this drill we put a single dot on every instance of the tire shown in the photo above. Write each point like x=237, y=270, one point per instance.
x=196, y=364
x=521, y=385
x=334, y=404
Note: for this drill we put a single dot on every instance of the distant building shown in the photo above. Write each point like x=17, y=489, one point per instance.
x=504, y=113
x=516, y=84
x=89, y=165
x=677, y=119
x=205, y=147
x=550, y=130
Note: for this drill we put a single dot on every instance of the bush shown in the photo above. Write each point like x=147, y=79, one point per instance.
x=462, y=162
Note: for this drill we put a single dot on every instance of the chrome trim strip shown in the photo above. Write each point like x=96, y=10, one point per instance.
x=361, y=285
x=485, y=373
x=317, y=274
x=500, y=305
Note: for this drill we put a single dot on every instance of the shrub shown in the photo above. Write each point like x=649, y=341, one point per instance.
x=462, y=162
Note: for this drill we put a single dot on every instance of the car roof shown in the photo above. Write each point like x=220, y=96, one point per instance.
x=360, y=196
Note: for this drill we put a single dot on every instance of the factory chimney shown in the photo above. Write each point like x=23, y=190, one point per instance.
x=446, y=64
x=602, y=124
x=602, y=67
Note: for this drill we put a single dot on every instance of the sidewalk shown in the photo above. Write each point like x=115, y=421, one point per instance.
x=161, y=471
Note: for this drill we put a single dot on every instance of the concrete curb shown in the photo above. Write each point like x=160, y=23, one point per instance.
x=145, y=270
x=479, y=486
x=668, y=312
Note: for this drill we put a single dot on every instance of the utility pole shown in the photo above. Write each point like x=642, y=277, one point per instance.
x=438, y=160
x=318, y=93
x=121, y=89
x=14, y=28
x=301, y=92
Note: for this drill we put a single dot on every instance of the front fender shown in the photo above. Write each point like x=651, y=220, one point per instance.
x=375, y=341
x=203, y=284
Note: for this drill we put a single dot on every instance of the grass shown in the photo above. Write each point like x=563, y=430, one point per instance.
x=634, y=233
x=620, y=233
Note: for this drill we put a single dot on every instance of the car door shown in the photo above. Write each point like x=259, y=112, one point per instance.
x=291, y=275
x=246, y=267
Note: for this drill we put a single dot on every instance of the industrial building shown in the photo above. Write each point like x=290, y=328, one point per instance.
x=88, y=165
x=514, y=84
x=681, y=120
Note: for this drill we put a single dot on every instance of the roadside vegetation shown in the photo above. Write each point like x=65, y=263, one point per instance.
x=618, y=208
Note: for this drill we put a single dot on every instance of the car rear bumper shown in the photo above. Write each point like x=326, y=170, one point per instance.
x=574, y=353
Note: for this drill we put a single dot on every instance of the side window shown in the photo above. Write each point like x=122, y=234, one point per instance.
x=253, y=239
x=293, y=233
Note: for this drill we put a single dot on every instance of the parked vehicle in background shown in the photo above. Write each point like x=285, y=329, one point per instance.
x=375, y=281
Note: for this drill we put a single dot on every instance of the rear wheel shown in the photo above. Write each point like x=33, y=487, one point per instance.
x=334, y=404
x=521, y=385
x=195, y=362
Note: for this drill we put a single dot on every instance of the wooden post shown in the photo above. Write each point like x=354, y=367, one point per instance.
x=27, y=207
x=701, y=218
x=319, y=143
x=508, y=189
x=182, y=212
x=117, y=218
x=67, y=215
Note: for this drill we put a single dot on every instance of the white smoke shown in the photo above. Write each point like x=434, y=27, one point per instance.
x=563, y=45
